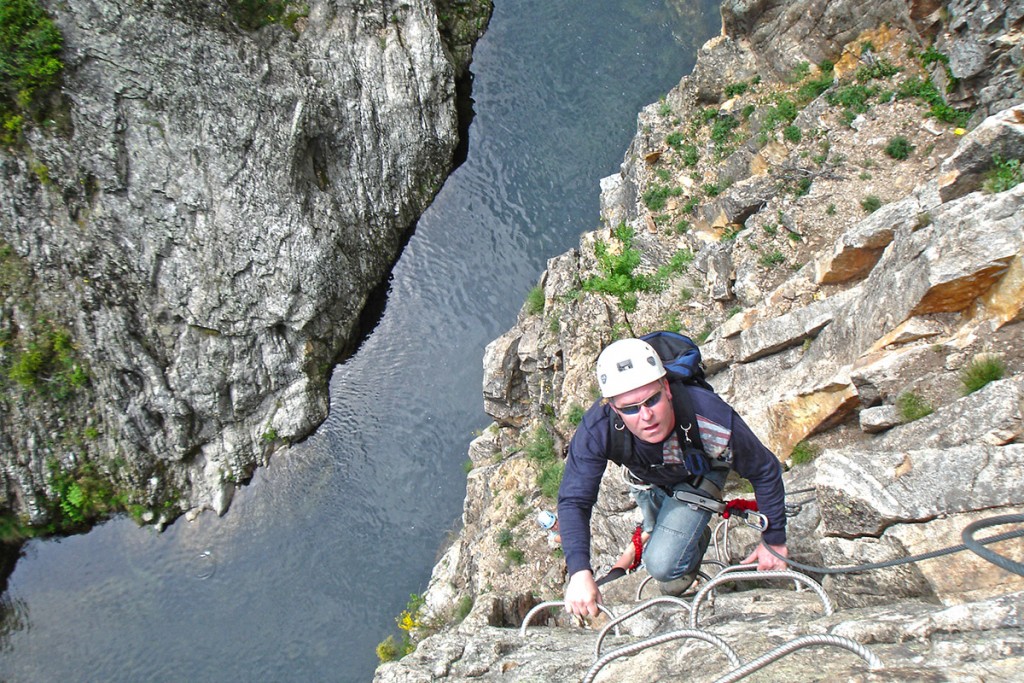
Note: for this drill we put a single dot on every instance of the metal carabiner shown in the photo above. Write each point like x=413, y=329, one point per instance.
x=760, y=521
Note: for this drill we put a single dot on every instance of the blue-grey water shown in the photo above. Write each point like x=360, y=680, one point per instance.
x=305, y=574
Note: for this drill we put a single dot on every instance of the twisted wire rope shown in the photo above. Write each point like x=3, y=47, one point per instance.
x=658, y=640
x=797, y=643
x=664, y=599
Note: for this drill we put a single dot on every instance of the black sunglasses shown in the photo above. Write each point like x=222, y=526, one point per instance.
x=634, y=408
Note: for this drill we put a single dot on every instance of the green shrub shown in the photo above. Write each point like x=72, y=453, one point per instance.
x=980, y=371
x=48, y=363
x=803, y=453
x=30, y=45
x=734, y=89
x=675, y=139
x=254, y=14
x=722, y=131
x=463, y=608
x=1005, y=174
x=657, y=196
x=871, y=203
x=852, y=98
x=912, y=407
x=792, y=134
x=535, y=301
x=575, y=414
x=772, y=259
x=880, y=68
x=388, y=650
x=540, y=450
x=899, y=148
x=690, y=155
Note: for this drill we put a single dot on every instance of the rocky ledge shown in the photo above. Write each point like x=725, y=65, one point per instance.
x=832, y=204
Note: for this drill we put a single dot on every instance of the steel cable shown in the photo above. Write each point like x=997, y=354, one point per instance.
x=669, y=599
x=757, y=576
x=992, y=556
x=803, y=641
x=658, y=640
x=853, y=569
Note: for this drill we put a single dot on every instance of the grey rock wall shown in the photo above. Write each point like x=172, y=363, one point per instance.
x=217, y=206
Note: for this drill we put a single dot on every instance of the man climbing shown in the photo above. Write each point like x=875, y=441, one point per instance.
x=677, y=441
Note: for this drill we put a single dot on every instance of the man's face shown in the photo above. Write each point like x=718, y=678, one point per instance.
x=652, y=418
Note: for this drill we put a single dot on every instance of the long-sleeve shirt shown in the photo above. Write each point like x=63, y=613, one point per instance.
x=725, y=437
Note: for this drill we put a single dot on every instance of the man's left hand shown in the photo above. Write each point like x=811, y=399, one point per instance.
x=765, y=560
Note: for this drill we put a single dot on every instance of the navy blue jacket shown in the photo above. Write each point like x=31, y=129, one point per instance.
x=725, y=436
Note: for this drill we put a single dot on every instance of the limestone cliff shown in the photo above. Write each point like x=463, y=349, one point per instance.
x=189, y=239
x=833, y=204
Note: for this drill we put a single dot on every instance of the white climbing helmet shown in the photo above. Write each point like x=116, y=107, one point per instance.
x=627, y=364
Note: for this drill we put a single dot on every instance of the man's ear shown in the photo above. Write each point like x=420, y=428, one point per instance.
x=666, y=389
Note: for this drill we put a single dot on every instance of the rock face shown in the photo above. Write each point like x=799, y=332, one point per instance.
x=837, y=239
x=208, y=221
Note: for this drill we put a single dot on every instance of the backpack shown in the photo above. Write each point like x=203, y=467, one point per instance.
x=681, y=357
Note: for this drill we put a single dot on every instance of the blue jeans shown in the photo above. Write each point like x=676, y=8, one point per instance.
x=675, y=528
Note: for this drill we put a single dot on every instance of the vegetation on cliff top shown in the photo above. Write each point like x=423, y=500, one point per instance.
x=30, y=65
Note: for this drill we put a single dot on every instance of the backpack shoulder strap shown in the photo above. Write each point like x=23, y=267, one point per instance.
x=620, y=445
x=686, y=417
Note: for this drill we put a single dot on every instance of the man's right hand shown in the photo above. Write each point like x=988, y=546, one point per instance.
x=582, y=596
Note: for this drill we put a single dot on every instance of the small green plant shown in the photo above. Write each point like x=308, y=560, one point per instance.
x=871, y=203
x=912, y=407
x=879, y=69
x=690, y=155
x=899, y=148
x=504, y=538
x=665, y=109
x=575, y=414
x=772, y=259
x=463, y=607
x=269, y=436
x=388, y=650
x=30, y=45
x=656, y=197
x=515, y=556
x=47, y=363
x=734, y=89
x=803, y=453
x=980, y=371
x=675, y=140
x=1004, y=175
x=535, y=301
x=255, y=14
x=792, y=134
x=830, y=210
x=800, y=72
x=540, y=450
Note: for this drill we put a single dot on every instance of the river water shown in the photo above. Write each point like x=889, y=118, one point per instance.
x=305, y=574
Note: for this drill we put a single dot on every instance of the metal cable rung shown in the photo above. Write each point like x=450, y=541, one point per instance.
x=758, y=576
x=658, y=640
x=803, y=641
